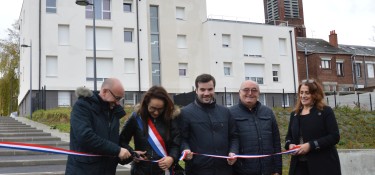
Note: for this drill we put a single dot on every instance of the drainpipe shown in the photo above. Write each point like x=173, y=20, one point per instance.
x=294, y=73
x=354, y=72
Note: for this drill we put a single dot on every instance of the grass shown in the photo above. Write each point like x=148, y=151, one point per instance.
x=357, y=127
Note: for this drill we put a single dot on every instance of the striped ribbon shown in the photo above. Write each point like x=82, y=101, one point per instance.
x=296, y=148
x=50, y=149
x=41, y=148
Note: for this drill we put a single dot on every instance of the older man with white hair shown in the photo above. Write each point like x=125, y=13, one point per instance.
x=258, y=133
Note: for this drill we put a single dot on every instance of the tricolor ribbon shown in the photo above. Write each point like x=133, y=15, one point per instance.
x=41, y=148
x=294, y=149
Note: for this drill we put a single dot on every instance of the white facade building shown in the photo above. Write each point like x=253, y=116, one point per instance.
x=145, y=43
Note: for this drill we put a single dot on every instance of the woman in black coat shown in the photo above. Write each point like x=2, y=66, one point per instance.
x=157, y=111
x=313, y=127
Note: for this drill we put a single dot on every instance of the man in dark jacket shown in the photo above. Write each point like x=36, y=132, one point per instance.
x=208, y=128
x=258, y=133
x=94, y=129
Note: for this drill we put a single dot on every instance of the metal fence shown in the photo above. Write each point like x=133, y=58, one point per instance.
x=362, y=101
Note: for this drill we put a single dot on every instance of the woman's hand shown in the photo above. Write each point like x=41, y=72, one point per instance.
x=304, y=149
x=291, y=146
x=165, y=162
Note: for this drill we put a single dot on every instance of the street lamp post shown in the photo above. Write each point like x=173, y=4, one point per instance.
x=86, y=3
x=31, y=77
x=307, y=64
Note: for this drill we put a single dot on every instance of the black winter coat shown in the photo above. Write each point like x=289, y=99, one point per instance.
x=259, y=134
x=208, y=129
x=320, y=130
x=95, y=130
x=132, y=129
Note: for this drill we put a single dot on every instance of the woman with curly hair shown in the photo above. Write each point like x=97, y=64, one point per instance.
x=313, y=127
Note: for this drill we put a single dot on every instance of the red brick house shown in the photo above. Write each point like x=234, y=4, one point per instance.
x=340, y=68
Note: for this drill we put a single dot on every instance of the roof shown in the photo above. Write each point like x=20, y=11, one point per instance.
x=358, y=50
x=314, y=45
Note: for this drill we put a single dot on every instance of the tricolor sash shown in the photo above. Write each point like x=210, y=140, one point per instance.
x=154, y=139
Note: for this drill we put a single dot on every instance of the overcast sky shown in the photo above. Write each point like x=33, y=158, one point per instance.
x=353, y=20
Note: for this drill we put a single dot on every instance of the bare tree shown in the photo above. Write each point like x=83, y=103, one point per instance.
x=9, y=64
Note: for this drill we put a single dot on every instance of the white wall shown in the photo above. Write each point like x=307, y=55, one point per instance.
x=234, y=53
x=204, y=52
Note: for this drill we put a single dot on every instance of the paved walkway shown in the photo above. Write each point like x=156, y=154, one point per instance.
x=54, y=132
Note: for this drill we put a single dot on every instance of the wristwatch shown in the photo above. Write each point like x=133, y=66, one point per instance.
x=316, y=144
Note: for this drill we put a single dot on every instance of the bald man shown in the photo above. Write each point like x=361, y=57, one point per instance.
x=94, y=129
x=258, y=132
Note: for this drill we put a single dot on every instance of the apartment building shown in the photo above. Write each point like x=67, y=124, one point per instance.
x=145, y=43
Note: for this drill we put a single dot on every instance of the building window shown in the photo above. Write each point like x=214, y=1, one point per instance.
x=103, y=34
x=254, y=72
x=227, y=68
x=51, y=6
x=252, y=46
x=262, y=99
x=291, y=8
x=225, y=40
x=155, y=52
x=358, y=69
x=282, y=46
x=130, y=98
x=63, y=99
x=155, y=56
x=102, y=9
x=259, y=80
x=182, y=69
x=340, y=68
x=370, y=70
x=325, y=64
x=104, y=67
x=180, y=13
x=129, y=65
x=285, y=101
x=272, y=11
x=128, y=35
x=127, y=7
x=181, y=41
x=63, y=34
x=156, y=74
x=51, y=66
x=229, y=99
x=275, y=72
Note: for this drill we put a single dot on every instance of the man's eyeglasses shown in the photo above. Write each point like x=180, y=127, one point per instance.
x=117, y=98
x=247, y=90
x=154, y=109
x=307, y=81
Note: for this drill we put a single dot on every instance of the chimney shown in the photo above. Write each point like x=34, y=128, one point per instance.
x=333, y=39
